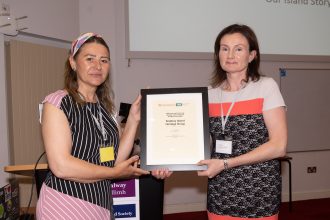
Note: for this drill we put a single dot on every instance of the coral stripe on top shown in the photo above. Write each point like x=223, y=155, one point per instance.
x=248, y=107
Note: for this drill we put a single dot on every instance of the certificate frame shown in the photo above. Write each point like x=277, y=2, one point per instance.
x=174, y=132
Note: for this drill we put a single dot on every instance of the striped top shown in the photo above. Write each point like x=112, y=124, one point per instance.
x=86, y=141
x=249, y=191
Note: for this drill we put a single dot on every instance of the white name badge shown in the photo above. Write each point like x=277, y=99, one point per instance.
x=223, y=147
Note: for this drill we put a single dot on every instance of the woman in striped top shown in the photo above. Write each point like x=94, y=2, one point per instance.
x=81, y=138
x=249, y=131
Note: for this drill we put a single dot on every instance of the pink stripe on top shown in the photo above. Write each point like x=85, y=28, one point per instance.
x=55, y=205
x=55, y=98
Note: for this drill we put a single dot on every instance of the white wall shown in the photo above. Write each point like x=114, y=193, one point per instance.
x=56, y=19
x=183, y=191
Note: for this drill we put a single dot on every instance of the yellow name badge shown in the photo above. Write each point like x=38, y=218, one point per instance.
x=107, y=154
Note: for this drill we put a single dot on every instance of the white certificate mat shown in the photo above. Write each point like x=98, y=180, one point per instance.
x=174, y=130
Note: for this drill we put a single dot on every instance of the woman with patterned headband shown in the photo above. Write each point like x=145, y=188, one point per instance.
x=81, y=138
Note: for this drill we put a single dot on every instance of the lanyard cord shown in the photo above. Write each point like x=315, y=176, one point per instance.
x=225, y=119
x=100, y=124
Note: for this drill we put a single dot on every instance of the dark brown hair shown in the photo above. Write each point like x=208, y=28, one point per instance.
x=219, y=75
x=103, y=92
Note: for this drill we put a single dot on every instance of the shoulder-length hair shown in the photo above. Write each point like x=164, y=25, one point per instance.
x=219, y=75
x=104, y=91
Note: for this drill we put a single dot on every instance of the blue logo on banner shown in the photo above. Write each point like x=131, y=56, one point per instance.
x=124, y=211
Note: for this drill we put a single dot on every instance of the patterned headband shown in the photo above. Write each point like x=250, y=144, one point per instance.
x=76, y=44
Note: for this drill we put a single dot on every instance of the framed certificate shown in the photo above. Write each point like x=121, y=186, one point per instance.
x=174, y=128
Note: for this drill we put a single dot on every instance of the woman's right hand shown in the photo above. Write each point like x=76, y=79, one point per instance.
x=161, y=173
x=128, y=169
x=214, y=167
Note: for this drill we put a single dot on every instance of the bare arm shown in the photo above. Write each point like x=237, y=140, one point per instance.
x=275, y=120
x=129, y=132
x=58, y=144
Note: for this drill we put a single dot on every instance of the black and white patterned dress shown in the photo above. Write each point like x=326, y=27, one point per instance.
x=249, y=191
